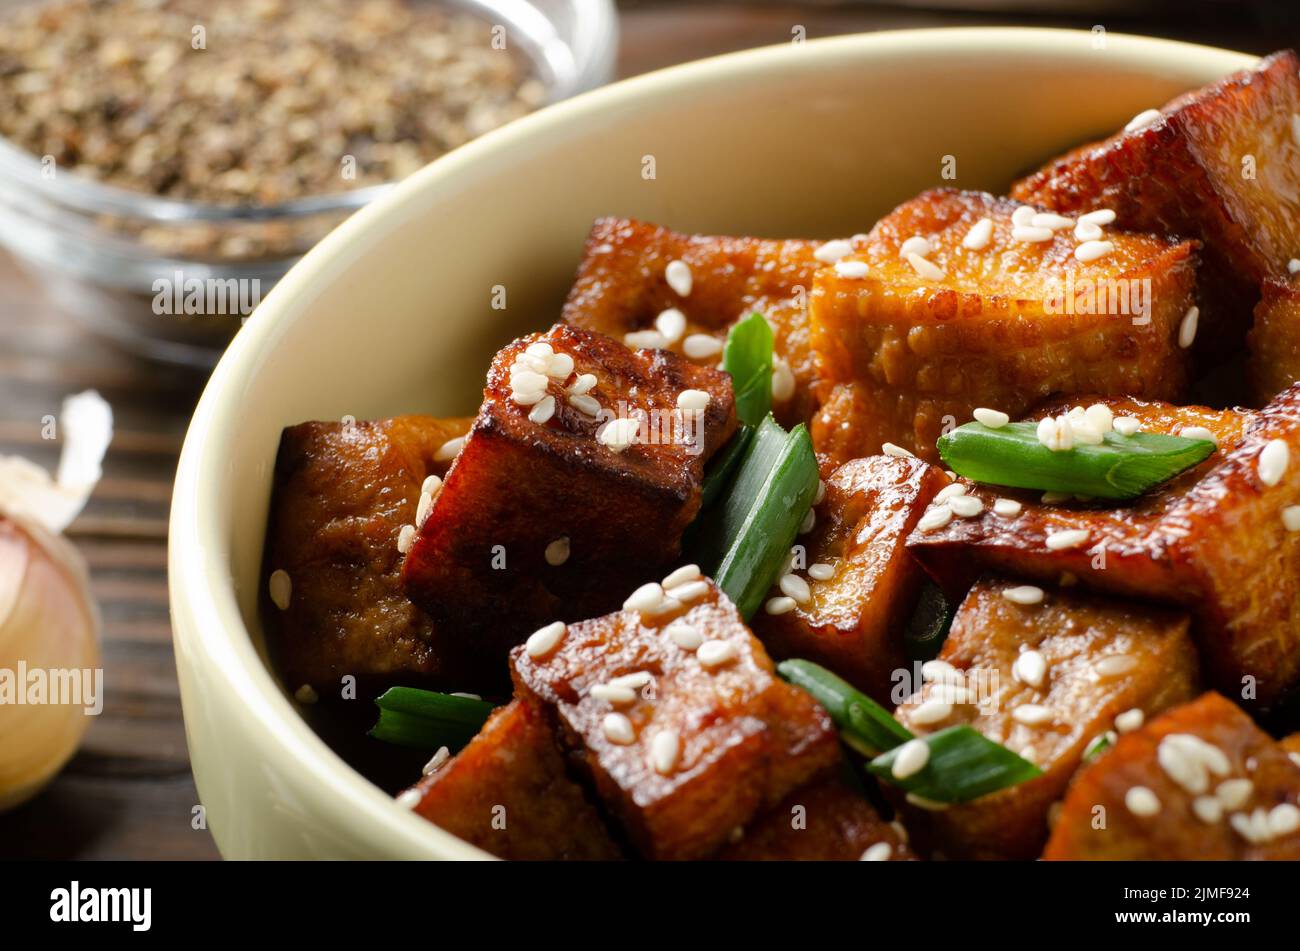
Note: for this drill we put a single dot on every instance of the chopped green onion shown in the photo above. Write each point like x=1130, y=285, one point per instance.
x=427, y=720
x=963, y=765
x=1120, y=467
x=723, y=465
x=927, y=629
x=751, y=532
x=1100, y=744
x=864, y=725
x=748, y=358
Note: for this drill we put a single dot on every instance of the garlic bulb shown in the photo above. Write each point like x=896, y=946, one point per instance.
x=51, y=681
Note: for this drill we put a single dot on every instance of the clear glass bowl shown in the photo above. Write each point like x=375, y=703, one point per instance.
x=105, y=254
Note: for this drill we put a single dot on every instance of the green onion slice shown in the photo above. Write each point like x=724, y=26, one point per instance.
x=748, y=358
x=723, y=465
x=963, y=765
x=427, y=720
x=864, y=725
x=1120, y=467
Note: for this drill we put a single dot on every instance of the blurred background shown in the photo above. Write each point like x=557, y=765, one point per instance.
x=162, y=162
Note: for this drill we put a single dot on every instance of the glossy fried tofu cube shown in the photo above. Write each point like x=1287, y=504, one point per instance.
x=1044, y=679
x=854, y=584
x=547, y=517
x=908, y=346
x=622, y=288
x=826, y=821
x=1275, y=340
x=1214, y=540
x=1200, y=782
x=331, y=579
x=507, y=792
x=674, y=711
x=1220, y=164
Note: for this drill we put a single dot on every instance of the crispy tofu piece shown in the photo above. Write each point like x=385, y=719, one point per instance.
x=342, y=493
x=902, y=355
x=826, y=821
x=713, y=738
x=1221, y=165
x=518, y=487
x=854, y=621
x=1101, y=657
x=1212, y=540
x=1237, y=799
x=621, y=289
x=1275, y=340
x=507, y=793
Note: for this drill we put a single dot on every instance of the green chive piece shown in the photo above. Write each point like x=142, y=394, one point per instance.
x=927, y=629
x=1120, y=467
x=748, y=358
x=427, y=720
x=963, y=765
x=864, y=725
x=723, y=465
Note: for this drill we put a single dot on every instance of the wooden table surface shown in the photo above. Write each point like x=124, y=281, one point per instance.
x=128, y=793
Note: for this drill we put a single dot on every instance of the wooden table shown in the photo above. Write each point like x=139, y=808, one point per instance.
x=129, y=792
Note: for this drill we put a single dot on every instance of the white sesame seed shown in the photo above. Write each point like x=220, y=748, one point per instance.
x=678, y=276
x=405, y=538
x=1142, y=120
x=1030, y=668
x=821, y=492
x=820, y=571
x=1234, y=793
x=933, y=710
x=436, y=762
x=1093, y=250
x=1293, y=266
x=1087, y=231
x=832, y=251
x=545, y=639
x=1102, y=216
x=809, y=522
x=671, y=323
x=585, y=383
x=716, y=653
x=992, y=418
x=1031, y=235
x=306, y=694
x=618, y=729
x=1056, y=434
x=280, y=587
x=1100, y=416
x=1048, y=219
x=1085, y=433
x=684, y=635
x=1141, y=801
x=792, y=586
x=526, y=381
x=423, y=508
x=965, y=506
x=1130, y=720
x=664, y=750
x=880, y=852
x=614, y=694
x=1031, y=714
x=929, y=805
x=645, y=340
x=646, y=598
x=619, y=434
x=910, y=759
x=925, y=268
x=1127, y=425
x=1207, y=809
x=898, y=452
x=1182, y=767
x=1283, y=819
x=1069, y=538
x=449, y=450
x=1294, y=757
x=587, y=405
x=977, y=239
x=693, y=400
x=1252, y=827
x=527, y=397
x=780, y=605
x=1007, y=508
x=1114, y=665
x=543, y=411
x=854, y=270
x=1291, y=518
x=782, y=380
x=409, y=798
x=557, y=552
x=914, y=245
x=1273, y=459
x=1023, y=215
x=701, y=346
x=935, y=518
x=688, y=592
x=1187, y=329
x=1023, y=594
x=432, y=484
x=559, y=366
x=940, y=671
x=681, y=575
x=949, y=492
x=539, y=349
x=1198, y=432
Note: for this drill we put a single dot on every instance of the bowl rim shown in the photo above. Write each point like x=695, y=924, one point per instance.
x=205, y=614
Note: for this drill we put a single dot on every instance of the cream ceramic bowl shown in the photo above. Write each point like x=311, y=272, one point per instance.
x=391, y=314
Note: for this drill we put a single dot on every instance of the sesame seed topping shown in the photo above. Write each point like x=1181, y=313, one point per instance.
x=409, y=798
x=543, y=411
x=559, y=366
x=671, y=323
x=1031, y=235
x=1291, y=518
x=557, y=552
x=1283, y=819
x=782, y=380
x=684, y=635
x=1273, y=459
x=618, y=729
x=1114, y=665
x=821, y=492
x=808, y=523
x=1234, y=793
x=910, y=759
x=950, y=491
x=1295, y=757
x=1127, y=425
x=280, y=587
x=992, y=418
x=678, y=276
x=716, y=653
x=1023, y=594
x=1056, y=434
x=619, y=434
x=1023, y=215
x=854, y=270
x=449, y=450
x=1102, y=216
x=585, y=383
x=1142, y=120
x=898, y=452
x=405, y=538
x=1293, y=266
x=1031, y=714
x=1069, y=538
x=1048, y=219
x=977, y=239
x=681, y=575
x=935, y=518
x=645, y=340
x=965, y=506
x=925, y=268
x=1141, y=801
x=1187, y=329
x=432, y=484
x=1007, y=508
x=832, y=251
x=1198, y=432
x=781, y=605
x=820, y=571
x=423, y=508
x=587, y=405
x=934, y=710
x=306, y=694
x=436, y=762
x=692, y=400
x=664, y=750
x=634, y=681
x=940, y=671
x=1188, y=760
x=1130, y=720
x=915, y=245
x=545, y=639
x=1093, y=250
x=701, y=346
x=1207, y=809
x=616, y=694
x=688, y=592
x=646, y=598
x=880, y=852
x=1030, y=668
x=1087, y=231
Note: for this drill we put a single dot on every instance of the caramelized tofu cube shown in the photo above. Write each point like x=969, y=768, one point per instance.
x=1043, y=679
x=342, y=493
x=622, y=289
x=1201, y=782
x=826, y=821
x=1275, y=340
x=675, y=713
x=853, y=621
x=1222, y=165
x=507, y=793
x=546, y=518
x=916, y=344
x=1214, y=540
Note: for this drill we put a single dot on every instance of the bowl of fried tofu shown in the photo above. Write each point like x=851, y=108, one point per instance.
x=870, y=448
